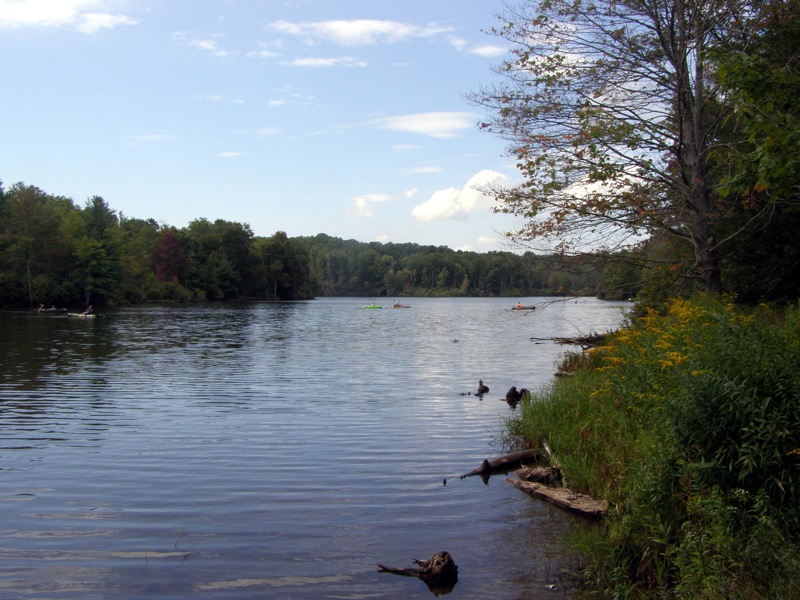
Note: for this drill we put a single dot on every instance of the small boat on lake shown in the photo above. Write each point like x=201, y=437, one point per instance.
x=81, y=315
x=373, y=305
x=522, y=307
x=41, y=309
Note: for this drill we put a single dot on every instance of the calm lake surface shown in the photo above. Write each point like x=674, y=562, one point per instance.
x=268, y=450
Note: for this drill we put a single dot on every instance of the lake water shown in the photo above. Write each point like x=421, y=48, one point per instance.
x=272, y=450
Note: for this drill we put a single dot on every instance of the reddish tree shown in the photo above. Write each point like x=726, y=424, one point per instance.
x=170, y=260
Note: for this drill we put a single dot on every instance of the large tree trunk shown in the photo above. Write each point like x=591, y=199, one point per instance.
x=686, y=52
x=708, y=262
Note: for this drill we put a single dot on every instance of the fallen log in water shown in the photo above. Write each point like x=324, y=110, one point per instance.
x=577, y=504
x=585, y=341
x=506, y=463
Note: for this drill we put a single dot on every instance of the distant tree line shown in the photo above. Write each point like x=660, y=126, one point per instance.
x=347, y=267
x=55, y=252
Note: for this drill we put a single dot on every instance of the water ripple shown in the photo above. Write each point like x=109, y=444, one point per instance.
x=229, y=451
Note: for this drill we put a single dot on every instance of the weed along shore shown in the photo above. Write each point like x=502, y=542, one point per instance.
x=685, y=425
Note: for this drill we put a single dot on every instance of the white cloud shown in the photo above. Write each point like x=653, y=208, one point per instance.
x=223, y=98
x=484, y=242
x=229, y=154
x=410, y=193
x=343, y=61
x=458, y=43
x=286, y=96
x=262, y=54
x=362, y=205
x=267, y=131
x=434, y=124
x=85, y=16
x=484, y=51
x=444, y=204
x=208, y=45
x=459, y=204
x=488, y=51
x=357, y=32
x=267, y=50
x=94, y=22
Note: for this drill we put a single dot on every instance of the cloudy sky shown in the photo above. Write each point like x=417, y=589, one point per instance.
x=345, y=117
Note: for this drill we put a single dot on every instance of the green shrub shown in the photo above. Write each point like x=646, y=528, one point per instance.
x=687, y=423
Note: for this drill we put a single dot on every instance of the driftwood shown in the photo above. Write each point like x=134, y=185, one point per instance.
x=504, y=464
x=584, y=341
x=577, y=504
x=439, y=572
x=546, y=475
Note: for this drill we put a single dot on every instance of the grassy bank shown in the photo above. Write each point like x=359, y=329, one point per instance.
x=687, y=423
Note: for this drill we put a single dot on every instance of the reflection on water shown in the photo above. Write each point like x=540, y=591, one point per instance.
x=263, y=450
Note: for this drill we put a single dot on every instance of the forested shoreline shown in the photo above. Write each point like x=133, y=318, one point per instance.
x=57, y=253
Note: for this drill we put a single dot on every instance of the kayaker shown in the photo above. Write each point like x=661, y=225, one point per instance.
x=89, y=310
x=519, y=305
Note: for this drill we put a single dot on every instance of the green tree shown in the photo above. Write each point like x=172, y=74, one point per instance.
x=96, y=269
x=138, y=282
x=760, y=159
x=31, y=244
x=97, y=258
x=621, y=278
x=611, y=110
x=762, y=80
x=221, y=257
x=443, y=279
x=284, y=267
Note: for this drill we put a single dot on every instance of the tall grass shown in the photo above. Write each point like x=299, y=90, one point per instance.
x=687, y=424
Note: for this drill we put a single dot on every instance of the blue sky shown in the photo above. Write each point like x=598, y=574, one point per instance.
x=345, y=117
